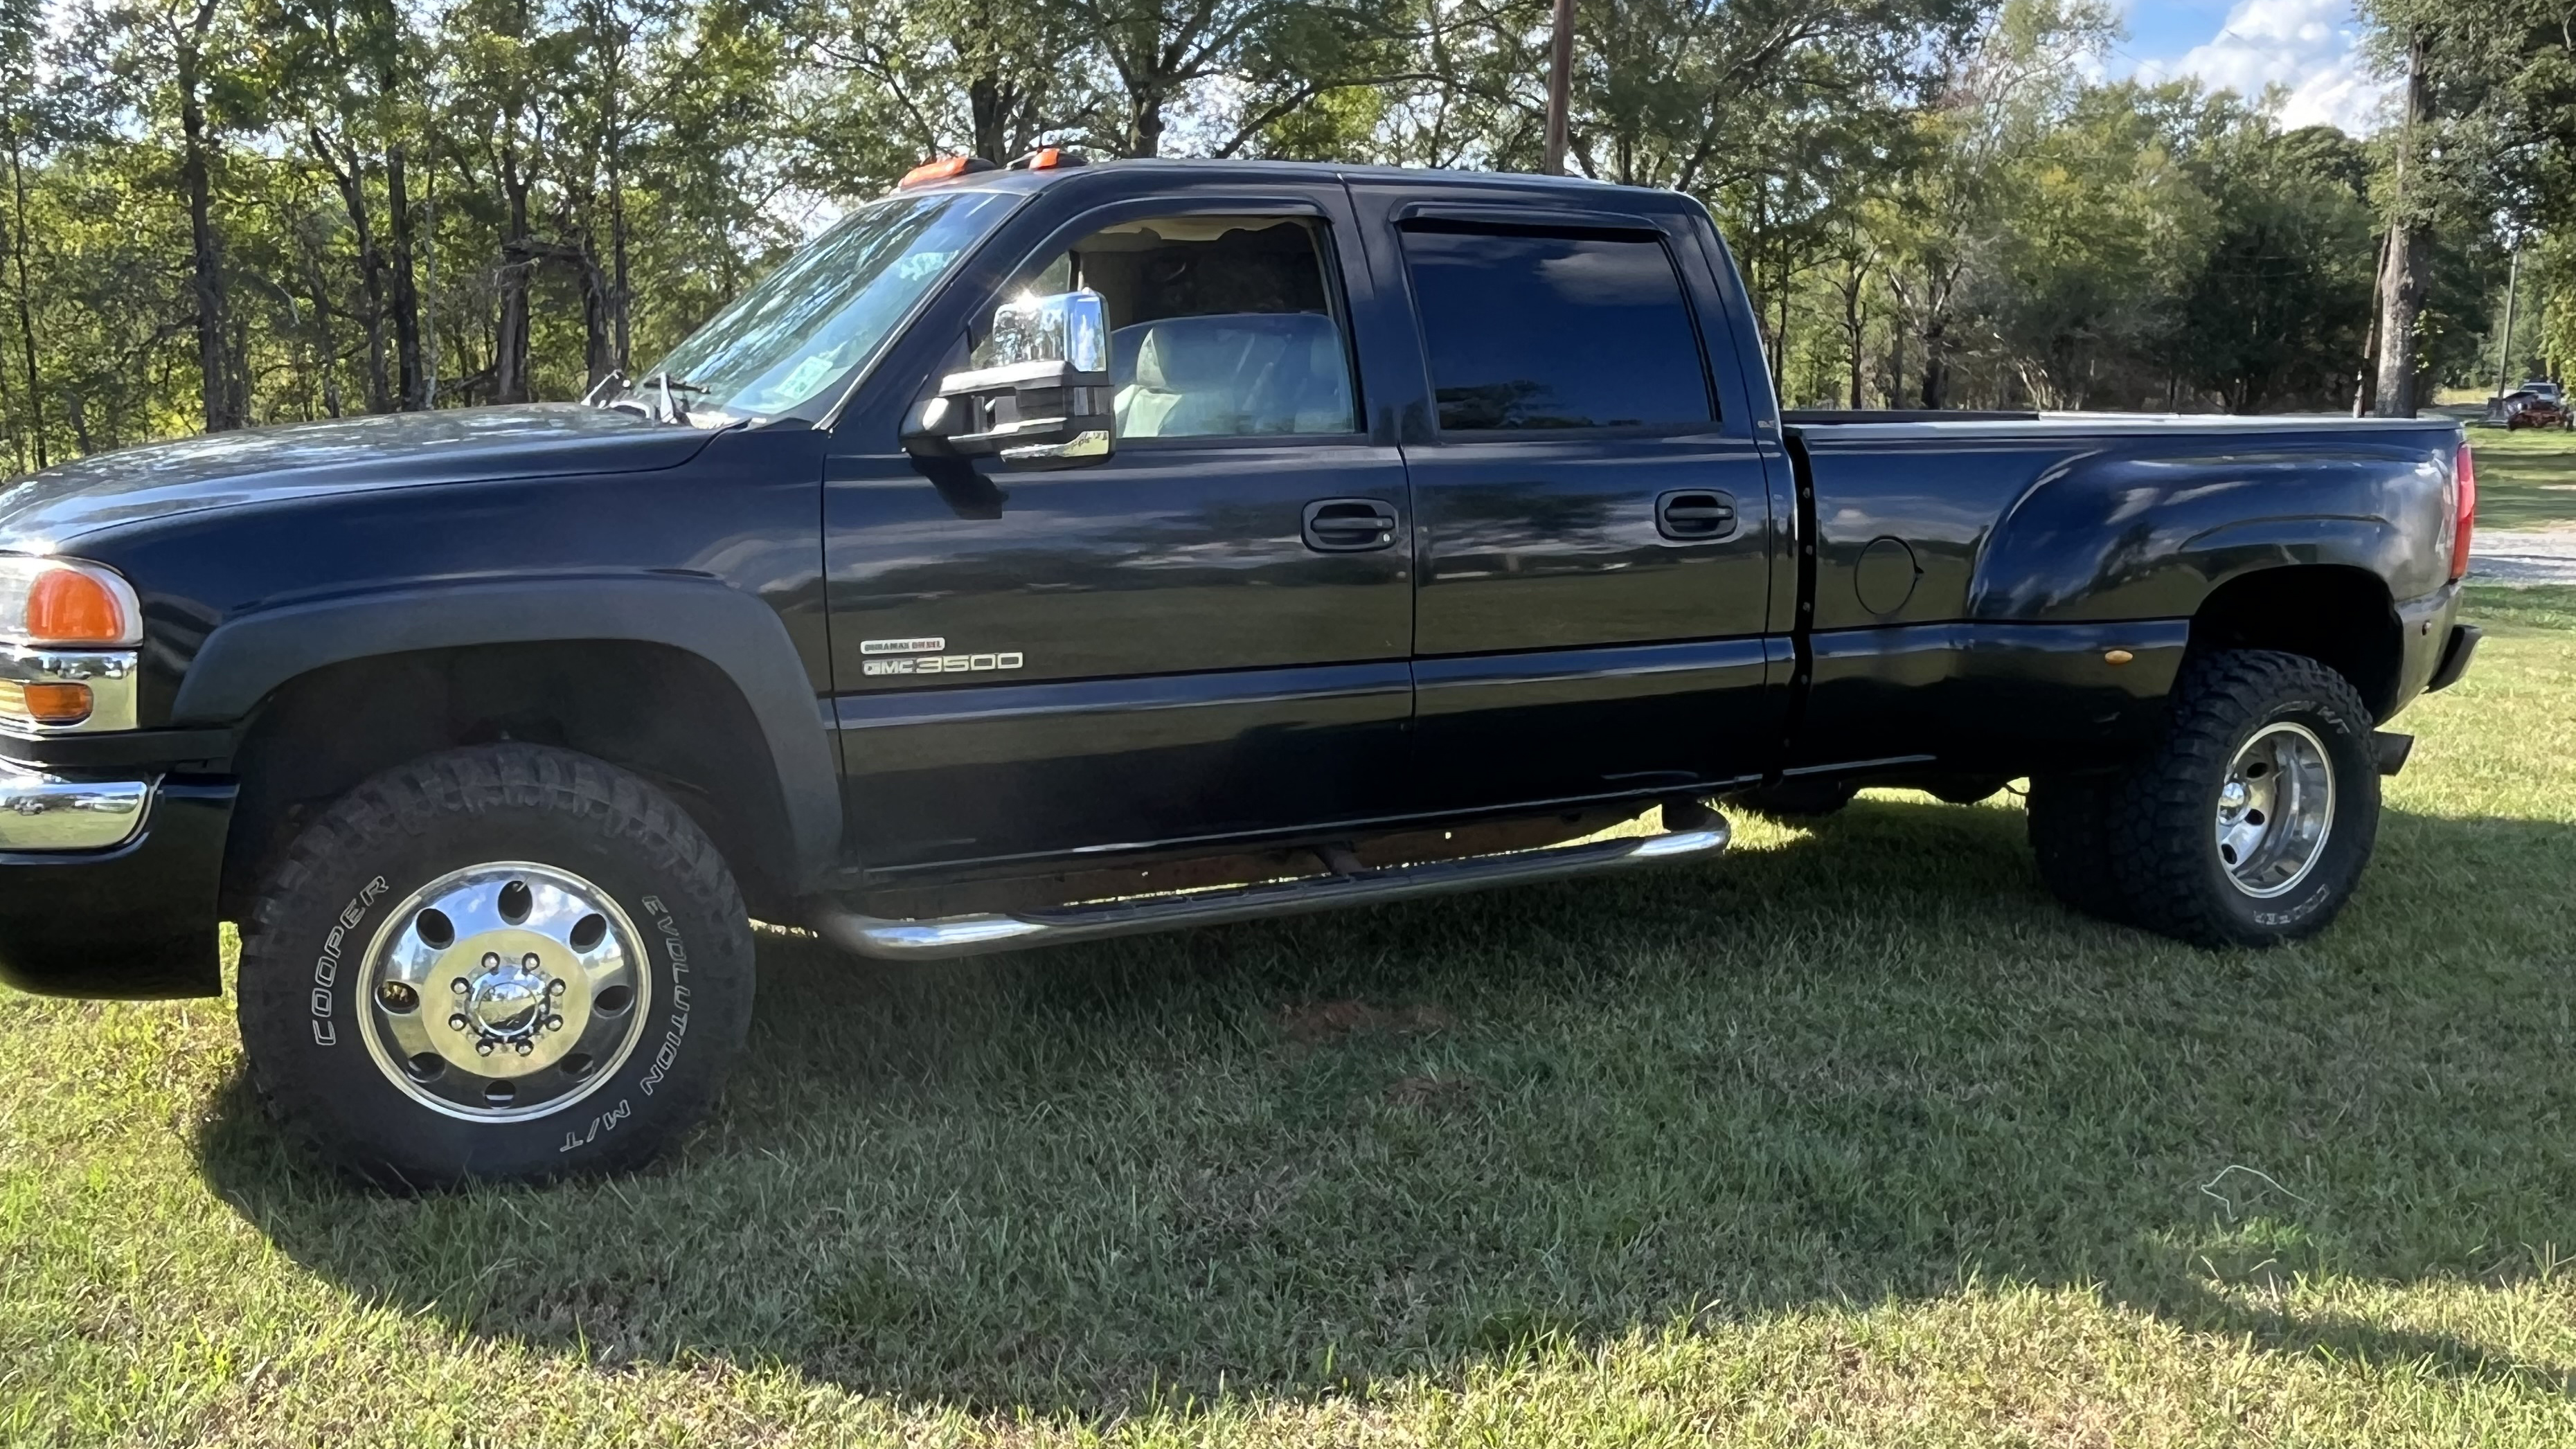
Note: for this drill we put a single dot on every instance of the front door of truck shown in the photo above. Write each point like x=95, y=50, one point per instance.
x=1593, y=529
x=1202, y=637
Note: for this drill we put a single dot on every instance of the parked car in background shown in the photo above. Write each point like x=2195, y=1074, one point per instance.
x=2530, y=407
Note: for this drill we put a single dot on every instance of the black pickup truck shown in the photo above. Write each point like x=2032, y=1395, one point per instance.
x=1053, y=551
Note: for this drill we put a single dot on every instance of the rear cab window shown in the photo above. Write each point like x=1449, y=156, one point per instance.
x=1550, y=331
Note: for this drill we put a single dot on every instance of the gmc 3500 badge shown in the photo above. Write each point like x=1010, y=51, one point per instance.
x=922, y=656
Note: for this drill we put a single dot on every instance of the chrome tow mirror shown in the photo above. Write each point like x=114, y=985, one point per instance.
x=1038, y=393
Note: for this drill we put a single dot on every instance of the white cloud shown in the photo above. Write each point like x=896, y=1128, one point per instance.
x=2311, y=48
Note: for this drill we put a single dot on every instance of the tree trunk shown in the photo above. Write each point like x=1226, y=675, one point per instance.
x=1146, y=122
x=351, y=180
x=990, y=106
x=1855, y=329
x=2404, y=278
x=2401, y=307
x=621, y=295
x=598, y=326
x=412, y=375
x=216, y=392
x=329, y=345
x=1780, y=329
x=26, y=309
x=2365, y=378
x=510, y=348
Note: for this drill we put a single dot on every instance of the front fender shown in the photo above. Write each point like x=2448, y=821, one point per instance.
x=247, y=658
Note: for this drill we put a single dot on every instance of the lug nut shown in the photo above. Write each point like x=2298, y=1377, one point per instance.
x=554, y=1023
x=555, y=987
x=461, y=986
x=457, y=1022
x=529, y=960
x=526, y=1047
x=482, y=1049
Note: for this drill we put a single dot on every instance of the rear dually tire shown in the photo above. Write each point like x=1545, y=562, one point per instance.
x=2252, y=819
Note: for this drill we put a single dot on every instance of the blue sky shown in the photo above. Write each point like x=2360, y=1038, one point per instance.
x=2310, y=47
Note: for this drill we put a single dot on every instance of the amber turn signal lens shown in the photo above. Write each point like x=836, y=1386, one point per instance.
x=53, y=704
x=69, y=607
x=57, y=703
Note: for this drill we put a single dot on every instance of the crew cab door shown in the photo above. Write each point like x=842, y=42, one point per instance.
x=1201, y=637
x=1593, y=517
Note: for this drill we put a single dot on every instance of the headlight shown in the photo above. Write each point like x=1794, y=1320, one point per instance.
x=58, y=603
x=65, y=629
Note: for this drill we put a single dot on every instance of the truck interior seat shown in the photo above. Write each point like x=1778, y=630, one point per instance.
x=1231, y=375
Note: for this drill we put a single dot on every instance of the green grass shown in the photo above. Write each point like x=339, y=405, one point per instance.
x=2526, y=479
x=1852, y=1137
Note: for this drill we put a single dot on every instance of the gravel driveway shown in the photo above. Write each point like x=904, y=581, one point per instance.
x=2524, y=556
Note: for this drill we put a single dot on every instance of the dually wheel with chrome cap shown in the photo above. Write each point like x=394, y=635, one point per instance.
x=2252, y=819
x=504, y=990
x=497, y=963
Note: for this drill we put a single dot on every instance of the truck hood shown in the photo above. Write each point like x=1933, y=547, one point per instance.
x=274, y=464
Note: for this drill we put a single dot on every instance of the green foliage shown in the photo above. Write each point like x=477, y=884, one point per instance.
x=223, y=211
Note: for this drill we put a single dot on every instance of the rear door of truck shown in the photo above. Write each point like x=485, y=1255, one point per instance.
x=1594, y=531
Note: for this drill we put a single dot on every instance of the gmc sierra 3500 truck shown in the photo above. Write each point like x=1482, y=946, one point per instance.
x=1052, y=551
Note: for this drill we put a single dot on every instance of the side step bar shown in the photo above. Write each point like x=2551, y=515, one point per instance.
x=944, y=936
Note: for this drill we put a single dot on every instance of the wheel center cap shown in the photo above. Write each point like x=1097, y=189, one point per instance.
x=508, y=1000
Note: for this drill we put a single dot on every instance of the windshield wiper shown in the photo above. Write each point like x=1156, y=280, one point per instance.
x=671, y=388
x=617, y=390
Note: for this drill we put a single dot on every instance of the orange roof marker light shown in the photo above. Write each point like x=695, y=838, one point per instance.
x=1048, y=158
x=945, y=169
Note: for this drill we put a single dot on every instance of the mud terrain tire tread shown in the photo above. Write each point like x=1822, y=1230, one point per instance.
x=413, y=820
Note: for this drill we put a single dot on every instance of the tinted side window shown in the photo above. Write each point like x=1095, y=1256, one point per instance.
x=1555, y=332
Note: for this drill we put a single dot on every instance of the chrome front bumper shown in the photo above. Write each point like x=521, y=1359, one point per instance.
x=40, y=812
x=109, y=674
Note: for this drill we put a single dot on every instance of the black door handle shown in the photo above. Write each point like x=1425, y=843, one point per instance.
x=1695, y=514
x=1349, y=525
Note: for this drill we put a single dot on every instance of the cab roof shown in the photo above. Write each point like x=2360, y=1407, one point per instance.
x=1201, y=171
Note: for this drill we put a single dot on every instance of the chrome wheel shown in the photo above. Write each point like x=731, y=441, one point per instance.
x=2275, y=809
x=504, y=991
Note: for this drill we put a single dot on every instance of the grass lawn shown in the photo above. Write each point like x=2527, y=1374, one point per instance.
x=2526, y=479
x=1852, y=1137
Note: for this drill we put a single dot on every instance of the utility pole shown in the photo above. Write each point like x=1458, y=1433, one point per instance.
x=2504, y=349
x=1560, y=82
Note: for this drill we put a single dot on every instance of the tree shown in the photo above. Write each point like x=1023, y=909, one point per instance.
x=176, y=62
x=2277, y=309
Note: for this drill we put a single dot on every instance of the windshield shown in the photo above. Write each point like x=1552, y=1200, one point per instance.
x=824, y=311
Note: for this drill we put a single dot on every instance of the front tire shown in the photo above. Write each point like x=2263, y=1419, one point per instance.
x=501, y=963
x=2252, y=820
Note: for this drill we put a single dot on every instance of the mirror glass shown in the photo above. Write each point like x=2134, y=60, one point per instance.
x=1067, y=327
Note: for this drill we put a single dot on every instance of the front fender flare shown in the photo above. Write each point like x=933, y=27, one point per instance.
x=248, y=658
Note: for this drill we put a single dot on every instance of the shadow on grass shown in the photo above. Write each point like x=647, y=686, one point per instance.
x=1867, y=1060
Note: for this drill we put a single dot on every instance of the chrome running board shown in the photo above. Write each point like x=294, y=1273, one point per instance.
x=942, y=936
